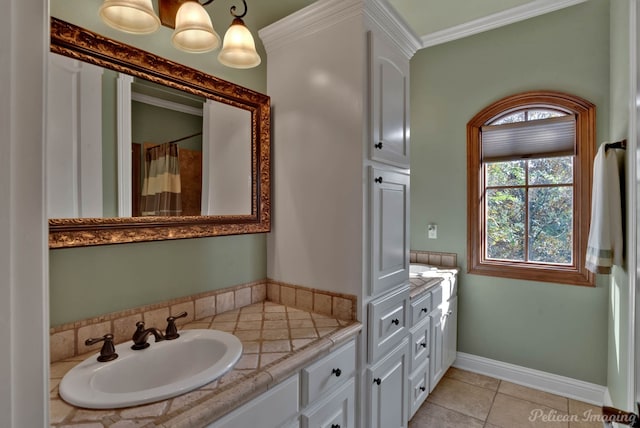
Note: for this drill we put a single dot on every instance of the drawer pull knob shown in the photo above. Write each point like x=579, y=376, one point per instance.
x=395, y=321
x=423, y=344
x=378, y=145
x=425, y=310
x=378, y=179
x=423, y=389
x=377, y=381
x=336, y=372
x=335, y=426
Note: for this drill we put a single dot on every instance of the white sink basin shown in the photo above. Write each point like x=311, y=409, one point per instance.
x=163, y=370
x=419, y=269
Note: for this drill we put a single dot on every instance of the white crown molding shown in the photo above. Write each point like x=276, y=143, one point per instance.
x=326, y=13
x=169, y=105
x=500, y=19
x=395, y=27
x=543, y=381
x=314, y=18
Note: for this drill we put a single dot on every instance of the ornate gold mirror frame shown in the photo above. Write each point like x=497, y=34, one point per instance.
x=84, y=45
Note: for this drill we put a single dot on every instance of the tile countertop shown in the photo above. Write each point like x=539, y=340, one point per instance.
x=277, y=341
x=423, y=283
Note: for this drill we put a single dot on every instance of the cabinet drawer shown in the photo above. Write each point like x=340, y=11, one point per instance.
x=387, y=322
x=337, y=410
x=420, y=344
x=418, y=388
x=420, y=308
x=327, y=373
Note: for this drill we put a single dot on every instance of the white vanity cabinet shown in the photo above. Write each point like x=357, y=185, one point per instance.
x=341, y=156
x=433, y=338
x=444, y=326
x=321, y=395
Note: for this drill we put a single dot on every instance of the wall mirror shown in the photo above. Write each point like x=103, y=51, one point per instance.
x=140, y=148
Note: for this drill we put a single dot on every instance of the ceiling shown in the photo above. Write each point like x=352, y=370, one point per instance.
x=433, y=21
x=440, y=21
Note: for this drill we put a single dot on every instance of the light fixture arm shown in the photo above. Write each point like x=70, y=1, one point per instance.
x=232, y=10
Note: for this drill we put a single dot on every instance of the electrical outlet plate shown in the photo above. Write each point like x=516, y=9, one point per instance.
x=432, y=231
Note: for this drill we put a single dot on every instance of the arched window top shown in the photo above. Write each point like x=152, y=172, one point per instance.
x=527, y=114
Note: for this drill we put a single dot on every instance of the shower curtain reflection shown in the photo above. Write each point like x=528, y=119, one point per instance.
x=161, y=188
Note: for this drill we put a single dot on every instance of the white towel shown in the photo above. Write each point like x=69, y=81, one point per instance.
x=604, y=248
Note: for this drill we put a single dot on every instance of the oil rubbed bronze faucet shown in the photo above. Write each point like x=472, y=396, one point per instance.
x=172, y=331
x=141, y=335
x=108, y=351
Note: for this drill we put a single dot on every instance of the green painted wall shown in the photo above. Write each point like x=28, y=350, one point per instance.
x=87, y=282
x=619, y=379
x=556, y=328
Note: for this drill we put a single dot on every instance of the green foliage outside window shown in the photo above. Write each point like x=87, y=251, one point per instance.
x=529, y=210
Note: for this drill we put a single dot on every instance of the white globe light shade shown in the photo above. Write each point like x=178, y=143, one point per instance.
x=130, y=16
x=238, y=47
x=194, y=31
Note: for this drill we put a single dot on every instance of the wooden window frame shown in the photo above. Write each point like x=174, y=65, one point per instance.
x=574, y=274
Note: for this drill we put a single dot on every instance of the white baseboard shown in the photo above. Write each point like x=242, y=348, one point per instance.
x=548, y=382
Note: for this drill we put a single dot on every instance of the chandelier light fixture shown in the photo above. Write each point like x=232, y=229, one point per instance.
x=193, y=29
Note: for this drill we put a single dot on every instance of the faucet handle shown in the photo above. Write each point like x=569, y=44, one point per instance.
x=108, y=351
x=172, y=331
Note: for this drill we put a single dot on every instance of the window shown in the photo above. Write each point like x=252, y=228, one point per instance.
x=529, y=168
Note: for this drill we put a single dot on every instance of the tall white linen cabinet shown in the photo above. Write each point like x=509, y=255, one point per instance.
x=338, y=77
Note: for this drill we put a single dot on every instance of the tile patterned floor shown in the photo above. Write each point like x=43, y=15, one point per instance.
x=468, y=400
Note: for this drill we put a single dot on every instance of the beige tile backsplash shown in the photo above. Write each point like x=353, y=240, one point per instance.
x=67, y=340
x=434, y=258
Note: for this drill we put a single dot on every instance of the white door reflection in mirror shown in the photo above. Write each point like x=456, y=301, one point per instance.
x=74, y=139
x=226, y=160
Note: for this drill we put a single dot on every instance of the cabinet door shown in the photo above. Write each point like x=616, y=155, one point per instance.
x=259, y=411
x=436, y=361
x=387, y=385
x=389, y=103
x=389, y=229
x=450, y=332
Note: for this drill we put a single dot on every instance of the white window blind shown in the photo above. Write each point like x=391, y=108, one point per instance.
x=532, y=139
